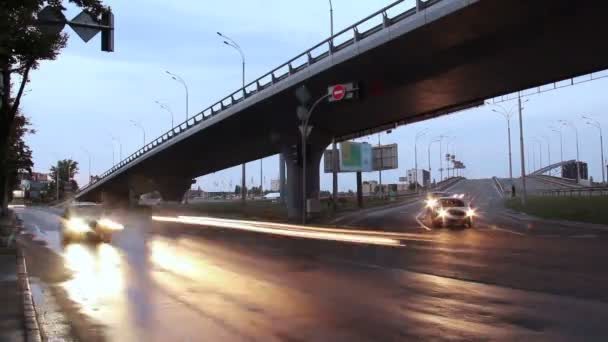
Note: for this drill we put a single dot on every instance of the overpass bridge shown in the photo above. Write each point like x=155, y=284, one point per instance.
x=411, y=63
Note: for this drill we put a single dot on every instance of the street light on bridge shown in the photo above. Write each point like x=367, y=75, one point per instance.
x=139, y=125
x=177, y=78
x=578, y=169
x=596, y=124
x=228, y=41
x=165, y=107
x=418, y=136
x=507, y=115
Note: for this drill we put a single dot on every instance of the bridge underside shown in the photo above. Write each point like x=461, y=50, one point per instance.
x=486, y=49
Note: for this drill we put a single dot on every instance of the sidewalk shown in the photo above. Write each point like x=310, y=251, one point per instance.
x=17, y=315
x=11, y=323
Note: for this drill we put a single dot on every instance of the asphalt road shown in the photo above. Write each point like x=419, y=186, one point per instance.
x=498, y=281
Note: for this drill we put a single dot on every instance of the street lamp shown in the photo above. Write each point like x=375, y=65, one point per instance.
x=165, y=107
x=429, y=153
x=507, y=115
x=228, y=41
x=304, y=116
x=561, y=142
x=139, y=125
x=115, y=139
x=548, y=141
x=441, y=137
x=418, y=136
x=596, y=124
x=578, y=169
x=450, y=141
x=524, y=192
x=331, y=25
x=181, y=80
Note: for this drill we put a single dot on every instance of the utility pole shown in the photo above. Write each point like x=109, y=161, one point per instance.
x=597, y=125
x=507, y=114
x=524, y=193
x=418, y=136
x=228, y=41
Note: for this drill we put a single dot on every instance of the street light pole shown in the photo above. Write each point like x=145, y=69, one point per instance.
x=165, y=107
x=418, y=136
x=578, y=169
x=228, y=41
x=597, y=125
x=507, y=115
x=429, y=154
x=331, y=21
x=139, y=125
x=441, y=137
x=548, y=141
x=561, y=143
x=115, y=139
x=524, y=193
x=304, y=116
x=177, y=78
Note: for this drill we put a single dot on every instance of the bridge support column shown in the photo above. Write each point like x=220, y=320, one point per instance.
x=173, y=190
x=294, y=179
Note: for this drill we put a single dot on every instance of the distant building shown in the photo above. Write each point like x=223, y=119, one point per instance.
x=275, y=185
x=369, y=187
x=34, y=185
x=424, y=177
x=569, y=170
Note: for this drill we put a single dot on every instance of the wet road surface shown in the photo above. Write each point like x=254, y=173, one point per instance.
x=474, y=284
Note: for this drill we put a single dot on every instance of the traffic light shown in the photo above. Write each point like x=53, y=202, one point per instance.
x=107, y=34
x=295, y=154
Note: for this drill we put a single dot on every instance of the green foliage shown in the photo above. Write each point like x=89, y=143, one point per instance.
x=590, y=209
x=68, y=169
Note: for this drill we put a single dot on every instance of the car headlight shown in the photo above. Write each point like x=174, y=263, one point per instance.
x=109, y=224
x=471, y=213
x=442, y=213
x=77, y=225
x=431, y=202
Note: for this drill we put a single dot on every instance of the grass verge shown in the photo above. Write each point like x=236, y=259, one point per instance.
x=582, y=209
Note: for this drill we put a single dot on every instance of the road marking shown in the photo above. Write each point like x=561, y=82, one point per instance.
x=507, y=230
x=420, y=222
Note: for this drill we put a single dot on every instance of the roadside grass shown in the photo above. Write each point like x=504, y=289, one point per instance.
x=593, y=209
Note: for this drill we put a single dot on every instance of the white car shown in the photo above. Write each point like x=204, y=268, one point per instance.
x=450, y=211
x=87, y=222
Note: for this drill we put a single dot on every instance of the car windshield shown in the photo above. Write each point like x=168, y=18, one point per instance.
x=451, y=202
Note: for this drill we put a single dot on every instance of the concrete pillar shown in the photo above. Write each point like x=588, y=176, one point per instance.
x=282, y=176
x=173, y=189
x=294, y=180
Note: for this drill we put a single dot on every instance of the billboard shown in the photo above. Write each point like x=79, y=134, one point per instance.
x=355, y=157
x=385, y=157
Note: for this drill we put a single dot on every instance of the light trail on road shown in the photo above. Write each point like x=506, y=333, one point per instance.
x=286, y=230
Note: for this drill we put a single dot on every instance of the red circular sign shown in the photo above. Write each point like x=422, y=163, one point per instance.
x=339, y=92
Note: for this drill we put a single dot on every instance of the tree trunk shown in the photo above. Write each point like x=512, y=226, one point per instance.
x=5, y=130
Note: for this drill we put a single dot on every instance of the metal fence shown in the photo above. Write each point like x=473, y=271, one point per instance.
x=592, y=191
x=364, y=28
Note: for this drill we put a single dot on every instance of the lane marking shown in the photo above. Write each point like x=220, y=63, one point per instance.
x=585, y=236
x=420, y=222
x=507, y=230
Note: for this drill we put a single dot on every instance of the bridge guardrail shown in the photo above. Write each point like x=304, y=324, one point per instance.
x=591, y=191
x=499, y=186
x=343, y=38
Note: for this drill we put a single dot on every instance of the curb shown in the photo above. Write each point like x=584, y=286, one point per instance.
x=33, y=332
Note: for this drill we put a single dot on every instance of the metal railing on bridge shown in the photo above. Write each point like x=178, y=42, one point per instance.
x=362, y=29
x=590, y=191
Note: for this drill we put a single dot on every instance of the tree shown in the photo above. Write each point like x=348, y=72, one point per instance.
x=66, y=169
x=19, y=159
x=23, y=45
x=237, y=189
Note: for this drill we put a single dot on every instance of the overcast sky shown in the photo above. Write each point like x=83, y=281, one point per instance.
x=82, y=99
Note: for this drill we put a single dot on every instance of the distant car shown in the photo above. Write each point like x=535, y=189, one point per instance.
x=451, y=211
x=87, y=222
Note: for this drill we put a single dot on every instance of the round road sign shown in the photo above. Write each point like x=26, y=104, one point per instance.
x=339, y=92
